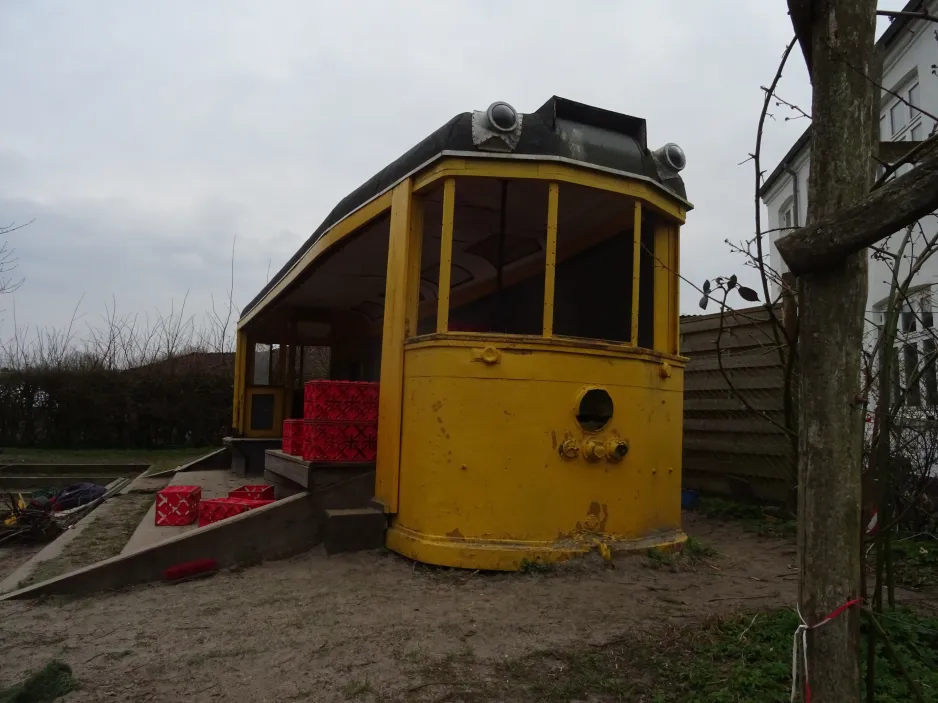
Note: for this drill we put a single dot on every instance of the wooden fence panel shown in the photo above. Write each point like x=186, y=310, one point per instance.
x=732, y=447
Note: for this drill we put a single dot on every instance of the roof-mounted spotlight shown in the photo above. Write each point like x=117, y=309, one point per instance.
x=670, y=159
x=497, y=129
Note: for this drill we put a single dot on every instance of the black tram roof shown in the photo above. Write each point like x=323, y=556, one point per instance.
x=560, y=128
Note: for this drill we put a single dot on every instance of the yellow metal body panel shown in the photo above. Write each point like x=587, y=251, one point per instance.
x=484, y=484
x=402, y=239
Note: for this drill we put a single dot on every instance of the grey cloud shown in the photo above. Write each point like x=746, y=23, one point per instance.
x=143, y=136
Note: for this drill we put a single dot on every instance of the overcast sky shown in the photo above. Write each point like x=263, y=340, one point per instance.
x=143, y=137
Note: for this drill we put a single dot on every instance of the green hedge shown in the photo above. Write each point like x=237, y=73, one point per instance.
x=165, y=405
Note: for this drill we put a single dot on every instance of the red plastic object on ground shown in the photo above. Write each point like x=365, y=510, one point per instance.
x=178, y=505
x=215, y=509
x=253, y=492
x=293, y=437
x=348, y=401
x=340, y=442
x=190, y=569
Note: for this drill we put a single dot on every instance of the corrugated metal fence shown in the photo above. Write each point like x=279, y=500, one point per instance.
x=729, y=448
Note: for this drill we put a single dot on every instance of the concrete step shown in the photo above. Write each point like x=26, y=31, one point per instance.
x=354, y=530
x=335, y=485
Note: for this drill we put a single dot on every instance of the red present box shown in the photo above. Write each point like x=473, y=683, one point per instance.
x=253, y=492
x=177, y=505
x=215, y=509
x=347, y=401
x=340, y=442
x=293, y=437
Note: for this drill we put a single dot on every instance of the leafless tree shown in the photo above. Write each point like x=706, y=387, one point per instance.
x=8, y=260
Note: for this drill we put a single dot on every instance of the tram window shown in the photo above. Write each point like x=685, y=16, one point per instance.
x=499, y=245
x=594, y=274
x=263, y=360
x=313, y=363
x=646, y=287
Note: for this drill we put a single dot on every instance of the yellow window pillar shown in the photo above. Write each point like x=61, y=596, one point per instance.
x=398, y=294
x=550, y=268
x=676, y=287
x=636, y=267
x=446, y=254
x=240, y=375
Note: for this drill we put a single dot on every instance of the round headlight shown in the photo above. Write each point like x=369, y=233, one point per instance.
x=502, y=116
x=675, y=156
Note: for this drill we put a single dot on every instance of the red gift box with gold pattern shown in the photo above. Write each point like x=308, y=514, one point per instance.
x=293, y=437
x=253, y=492
x=215, y=509
x=351, y=401
x=177, y=505
x=340, y=442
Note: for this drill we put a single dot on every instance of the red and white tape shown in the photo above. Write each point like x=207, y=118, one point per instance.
x=802, y=630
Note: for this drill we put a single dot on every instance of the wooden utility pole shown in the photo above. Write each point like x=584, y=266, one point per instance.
x=837, y=38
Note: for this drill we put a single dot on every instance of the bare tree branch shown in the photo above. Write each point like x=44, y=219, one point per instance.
x=886, y=210
x=896, y=14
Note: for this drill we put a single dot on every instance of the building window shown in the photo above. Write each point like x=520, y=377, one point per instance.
x=917, y=132
x=915, y=373
x=902, y=111
x=913, y=101
x=898, y=117
x=786, y=216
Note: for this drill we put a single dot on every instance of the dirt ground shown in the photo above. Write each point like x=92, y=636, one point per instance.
x=371, y=626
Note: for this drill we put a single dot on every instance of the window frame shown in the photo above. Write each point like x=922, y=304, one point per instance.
x=905, y=105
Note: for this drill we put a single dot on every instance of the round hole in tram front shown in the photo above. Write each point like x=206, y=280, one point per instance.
x=595, y=410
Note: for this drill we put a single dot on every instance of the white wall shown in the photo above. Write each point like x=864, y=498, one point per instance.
x=908, y=62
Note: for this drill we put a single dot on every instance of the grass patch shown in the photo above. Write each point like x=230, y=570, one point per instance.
x=356, y=689
x=763, y=520
x=693, y=553
x=740, y=660
x=915, y=562
x=43, y=686
x=159, y=460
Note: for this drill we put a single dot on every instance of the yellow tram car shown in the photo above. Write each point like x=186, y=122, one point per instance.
x=512, y=282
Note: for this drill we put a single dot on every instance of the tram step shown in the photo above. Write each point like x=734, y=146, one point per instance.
x=354, y=530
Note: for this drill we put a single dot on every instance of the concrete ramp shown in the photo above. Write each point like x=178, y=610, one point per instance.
x=276, y=531
x=214, y=484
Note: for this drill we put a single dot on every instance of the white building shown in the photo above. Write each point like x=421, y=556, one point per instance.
x=910, y=49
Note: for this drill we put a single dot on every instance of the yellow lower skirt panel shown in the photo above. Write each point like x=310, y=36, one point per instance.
x=503, y=555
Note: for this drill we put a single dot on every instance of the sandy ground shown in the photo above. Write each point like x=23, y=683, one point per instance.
x=12, y=556
x=364, y=625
